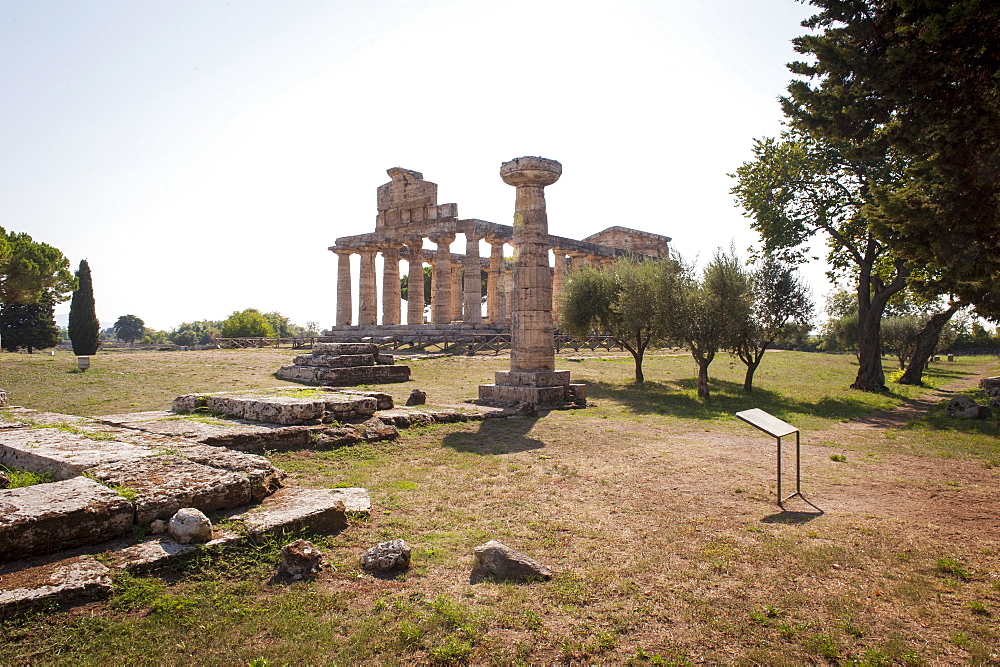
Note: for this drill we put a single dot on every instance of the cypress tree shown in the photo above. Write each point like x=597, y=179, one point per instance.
x=84, y=329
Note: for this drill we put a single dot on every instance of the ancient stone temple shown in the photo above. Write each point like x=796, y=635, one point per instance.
x=409, y=215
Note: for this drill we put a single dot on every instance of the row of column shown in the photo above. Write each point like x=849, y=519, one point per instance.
x=451, y=298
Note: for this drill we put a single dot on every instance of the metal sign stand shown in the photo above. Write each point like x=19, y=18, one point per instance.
x=777, y=429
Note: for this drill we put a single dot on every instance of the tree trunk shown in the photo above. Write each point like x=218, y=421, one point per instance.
x=927, y=340
x=703, y=361
x=870, y=375
x=637, y=355
x=748, y=380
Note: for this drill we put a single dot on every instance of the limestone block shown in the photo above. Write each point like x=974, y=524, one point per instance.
x=157, y=551
x=385, y=359
x=305, y=374
x=234, y=406
x=165, y=484
x=362, y=375
x=220, y=433
x=398, y=418
x=284, y=410
x=347, y=404
x=383, y=401
x=533, y=378
x=61, y=454
x=189, y=402
x=336, y=360
x=448, y=416
x=332, y=438
x=44, y=518
x=264, y=478
x=70, y=580
x=318, y=510
x=506, y=395
x=345, y=348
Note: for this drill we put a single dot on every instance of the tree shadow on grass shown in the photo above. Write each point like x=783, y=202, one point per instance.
x=678, y=398
x=496, y=436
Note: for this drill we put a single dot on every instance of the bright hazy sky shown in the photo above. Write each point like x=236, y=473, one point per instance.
x=203, y=155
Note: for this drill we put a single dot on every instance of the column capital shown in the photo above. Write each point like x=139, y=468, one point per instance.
x=442, y=238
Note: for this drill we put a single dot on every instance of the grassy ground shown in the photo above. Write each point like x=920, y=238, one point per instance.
x=655, y=509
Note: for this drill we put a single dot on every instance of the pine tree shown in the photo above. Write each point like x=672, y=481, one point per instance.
x=84, y=329
x=31, y=326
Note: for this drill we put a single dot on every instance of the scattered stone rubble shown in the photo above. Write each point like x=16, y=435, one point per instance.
x=344, y=364
x=299, y=560
x=497, y=560
x=189, y=526
x=387, y=556
x=963, y=407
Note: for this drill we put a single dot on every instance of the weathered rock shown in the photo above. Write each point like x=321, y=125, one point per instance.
x=335, y=360
x=375, y=430
x=189, y=526
x=387, y=556
x=189, y=402
x=158, y=527
x=418, y=418
x=226, y=433
x=264, y=478
x=416, y=397
x=3, y=399
x=345, y=348
x=299, y=559
x=288, y=510
x=44, y=518
x=499, y=561
x=399, y=419
x=74, y=579
x=269, y=409
x=984, y=412
x=962, y=407
x=385, y=359
x=4, y=480
x=160, y=550
x=991, y=386
x=383, y=401
x=448, y=416
x=61, y=454
x=164, y=484
x=361, y=375
x=333, y=438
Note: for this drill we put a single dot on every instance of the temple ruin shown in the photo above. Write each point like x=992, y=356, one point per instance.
x=408, y=213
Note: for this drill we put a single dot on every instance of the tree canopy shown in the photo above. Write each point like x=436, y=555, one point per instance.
x=31, y=326
x=800, y=186
x=917, y=77
x=129, y=328
x=249, y=323
x=29, y=268
x=620, y=300
x=778, y=300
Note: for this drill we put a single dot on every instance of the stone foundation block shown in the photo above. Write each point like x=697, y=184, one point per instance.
x=385, y=359
x=383, y=401
x=71, y=580
x=61, y=454
x=337, y=360
x=165, y=484
x=289, y=510
x=532, y=378
x=345, y=348
x=44, y=518
x=305, y=374
x=362, y=375
x=543, y=397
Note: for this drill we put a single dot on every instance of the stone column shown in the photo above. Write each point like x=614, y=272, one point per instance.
x=415, y=282
x=442, y=269
x=532, y=346
x=558, y=280
x=508, y=295
x=494, y=309
x=575, y=260
x=344, y=304
x=367, y=288
x=473, y=281
x=390, y=286
x=456, y=291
